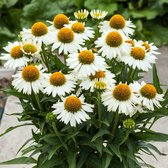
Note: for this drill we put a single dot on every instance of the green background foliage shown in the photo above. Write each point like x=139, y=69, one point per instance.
x=150, y=16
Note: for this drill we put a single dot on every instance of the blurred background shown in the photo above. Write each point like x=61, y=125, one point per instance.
x=150, y=16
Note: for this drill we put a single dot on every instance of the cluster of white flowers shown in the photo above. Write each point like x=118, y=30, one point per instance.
x=88, y=67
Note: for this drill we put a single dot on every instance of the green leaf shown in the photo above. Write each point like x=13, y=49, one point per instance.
x=35, y=10
x=14, y=127
x=116, y=150
x=53, y=150
x=19, y=160
x=83, y=156
x=10, y=3
x=52, y=162
x=99, y=134
x=100, y=4
x=152, y=136
x=99, y=144
x=156, y=33
x=79, y=3
x=156, y=81
x=50, y=139
x=106, y=159
x=150, y=146
x=27, y=141
x=139, y=25
x=71, y=158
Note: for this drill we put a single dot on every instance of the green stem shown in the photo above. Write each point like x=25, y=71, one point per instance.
x=38, y=101
x=132, y=74
x=146, y=122
x=57, y=133
x=99, y=107
x=116, y=118
x=45, y=58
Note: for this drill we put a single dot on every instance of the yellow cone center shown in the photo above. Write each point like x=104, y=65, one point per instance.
x=138, y=53
x=16, y=52
x=65, y=35
x=100, y=85
x=30, y=73
x=78, y=27
x=86, y=57
x=72, y=104
x=60, y=20
x=114, y=39
x=29, y=48
x=117, y=22
x=99, y=74
x=39, y=29
x=147, y=46
x=122, y=92
x=148, y=91
x=130, y=41
x=57, y=79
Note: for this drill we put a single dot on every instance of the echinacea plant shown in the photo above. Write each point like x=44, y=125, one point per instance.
x=79, y=86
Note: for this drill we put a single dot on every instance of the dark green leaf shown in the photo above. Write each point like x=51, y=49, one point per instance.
x=20, y=160
x=14, y=127
x=156, y=81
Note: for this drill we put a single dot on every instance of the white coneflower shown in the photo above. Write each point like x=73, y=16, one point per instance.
x=150, y=48
x=39, y=33
x=113, y=44
x=73, y=110
x=29, y=80
x=81, y=14
x=139, y=58
x=31, y=48
x=85, y=63
x=58, y=84
x=91, y=82
x=14, y=57
x=81, y=30
x=120, y=98
x=58, y=22
x=98, y=14
x=118, y=22
x=148, y=95
x=66, y=41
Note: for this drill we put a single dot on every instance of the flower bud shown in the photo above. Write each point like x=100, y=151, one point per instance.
x=129, y=123
x=50, y=117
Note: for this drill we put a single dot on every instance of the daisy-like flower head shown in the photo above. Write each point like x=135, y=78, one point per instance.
x=139, y=58
x=58, y=22
x=98, y=14
x=31, y=48
x=73, y=110
x=81, y=31
x=131, y=41
x=112, y=44
x=120, y=98
x=38, y=33
x=14, y=57
x=67, y=41
x=148, y=95
x=81, y=14
x=150, y=48
x=85, y=63
x=29, y=80
x=58, y=84
x=100, y=79
x=100, y=84
x=118, y=22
